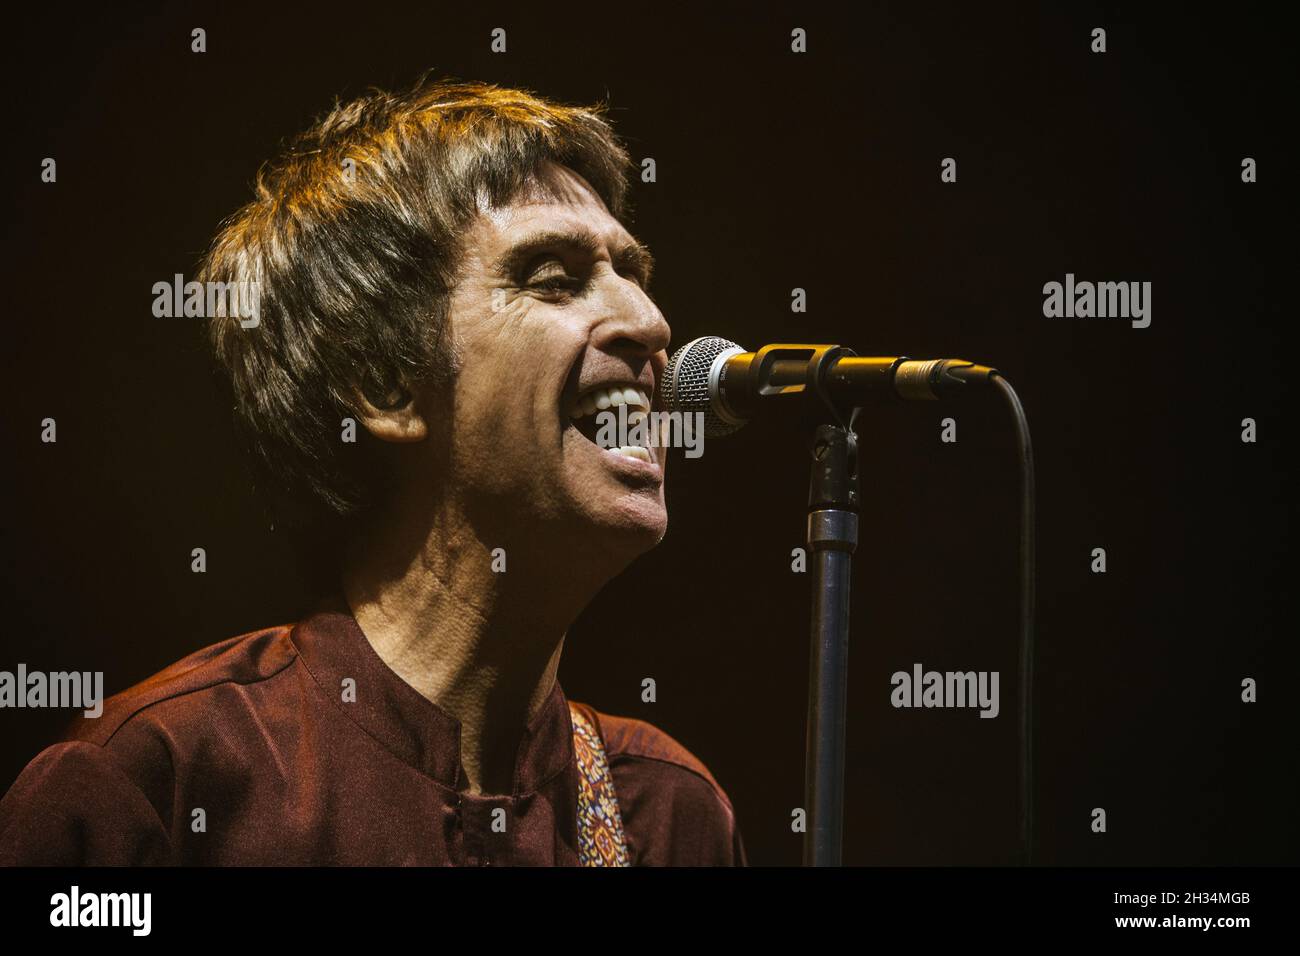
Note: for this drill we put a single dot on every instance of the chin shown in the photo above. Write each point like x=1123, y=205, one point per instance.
x=628, y=530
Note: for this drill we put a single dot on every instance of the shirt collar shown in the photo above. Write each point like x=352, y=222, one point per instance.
x=423, y=735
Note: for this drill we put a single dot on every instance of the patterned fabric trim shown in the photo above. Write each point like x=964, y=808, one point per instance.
x=600, y=827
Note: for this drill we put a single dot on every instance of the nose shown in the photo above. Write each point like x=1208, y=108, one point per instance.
x=632, y=325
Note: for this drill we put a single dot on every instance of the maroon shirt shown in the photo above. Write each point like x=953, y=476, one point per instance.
x=255, y=732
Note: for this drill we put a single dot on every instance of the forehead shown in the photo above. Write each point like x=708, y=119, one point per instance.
x=557, y=197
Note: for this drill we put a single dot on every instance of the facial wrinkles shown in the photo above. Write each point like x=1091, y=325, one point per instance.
x=549, y=342
x=535, y=329
x=512, y=399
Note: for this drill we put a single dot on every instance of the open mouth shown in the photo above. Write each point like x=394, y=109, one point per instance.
x=586, y=410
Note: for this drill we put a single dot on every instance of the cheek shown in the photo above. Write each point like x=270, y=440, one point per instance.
x=516, y=361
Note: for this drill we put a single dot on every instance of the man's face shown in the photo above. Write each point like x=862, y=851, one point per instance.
x=552, y=320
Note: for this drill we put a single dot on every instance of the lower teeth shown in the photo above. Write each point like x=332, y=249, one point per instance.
x=632, y=451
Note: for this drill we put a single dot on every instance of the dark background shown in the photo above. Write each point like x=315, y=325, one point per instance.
x=775, y=170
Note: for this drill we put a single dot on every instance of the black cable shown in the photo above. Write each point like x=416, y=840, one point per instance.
x=1027, y=559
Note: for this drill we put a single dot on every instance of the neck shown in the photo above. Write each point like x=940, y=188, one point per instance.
x=482, y=643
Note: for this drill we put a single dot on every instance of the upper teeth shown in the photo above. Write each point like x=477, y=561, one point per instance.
x=600, y=398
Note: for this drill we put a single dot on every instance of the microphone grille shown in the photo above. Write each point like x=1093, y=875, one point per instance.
x=690, y=383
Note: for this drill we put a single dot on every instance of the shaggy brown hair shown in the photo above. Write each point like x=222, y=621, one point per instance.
x=353, y=240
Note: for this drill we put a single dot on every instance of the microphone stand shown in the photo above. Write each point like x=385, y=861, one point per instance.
x=833, y=501
x=791, y=373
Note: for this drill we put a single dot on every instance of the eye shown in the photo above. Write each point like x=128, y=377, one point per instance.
x=550, y=275
x=558, y=283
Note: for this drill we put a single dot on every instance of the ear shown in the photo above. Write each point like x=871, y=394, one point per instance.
x=398, y=420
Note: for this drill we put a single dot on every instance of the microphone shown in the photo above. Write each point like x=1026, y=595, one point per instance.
x=728, y=385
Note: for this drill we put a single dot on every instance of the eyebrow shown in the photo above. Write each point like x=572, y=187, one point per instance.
x=631, y=256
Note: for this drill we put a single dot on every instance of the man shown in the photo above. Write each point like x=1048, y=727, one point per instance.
x=446, y=294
